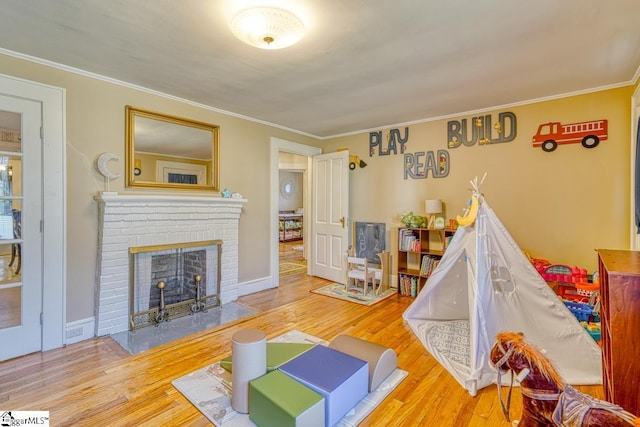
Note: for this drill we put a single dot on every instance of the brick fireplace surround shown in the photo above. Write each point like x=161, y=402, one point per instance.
x=141, y=220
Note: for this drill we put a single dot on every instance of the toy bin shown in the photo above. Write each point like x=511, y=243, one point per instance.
x=585, y=289
x=593, y=329
x=596, y=334
x=582, y=311
x=557, y=273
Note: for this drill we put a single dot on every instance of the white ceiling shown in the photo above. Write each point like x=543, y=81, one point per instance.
x=363, y=64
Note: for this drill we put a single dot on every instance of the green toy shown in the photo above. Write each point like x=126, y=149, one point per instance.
x=413, y=221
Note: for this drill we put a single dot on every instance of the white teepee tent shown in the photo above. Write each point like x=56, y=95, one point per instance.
x=484, y=285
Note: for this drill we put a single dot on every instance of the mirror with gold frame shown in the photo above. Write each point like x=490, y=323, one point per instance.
x=164, y=151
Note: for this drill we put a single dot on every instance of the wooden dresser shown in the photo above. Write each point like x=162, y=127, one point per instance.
x=620, y=316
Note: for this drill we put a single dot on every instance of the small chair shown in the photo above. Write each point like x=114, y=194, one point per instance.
x=358, y=271
x=381, y=275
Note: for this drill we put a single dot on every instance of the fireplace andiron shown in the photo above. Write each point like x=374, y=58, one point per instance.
x=163, y=314
x=198, y=305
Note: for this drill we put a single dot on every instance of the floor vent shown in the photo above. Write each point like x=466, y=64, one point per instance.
x=74, y=332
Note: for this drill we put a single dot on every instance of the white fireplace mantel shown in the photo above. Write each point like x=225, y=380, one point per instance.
x=131, y=220
x=113, y=197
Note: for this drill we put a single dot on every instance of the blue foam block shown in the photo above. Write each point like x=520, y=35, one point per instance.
x=341, y=379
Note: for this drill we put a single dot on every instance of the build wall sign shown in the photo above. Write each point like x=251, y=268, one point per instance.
x=482, y=130
x=416, y=165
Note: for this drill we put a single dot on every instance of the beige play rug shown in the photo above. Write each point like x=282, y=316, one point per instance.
x=337, y=290
x=209, y=390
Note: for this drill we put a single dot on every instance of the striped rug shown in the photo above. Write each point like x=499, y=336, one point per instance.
x=291, y=268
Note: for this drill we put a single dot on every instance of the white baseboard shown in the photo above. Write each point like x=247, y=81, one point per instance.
x=264, y=283
x=83, y=329
x=79, y=330
x=253, y=286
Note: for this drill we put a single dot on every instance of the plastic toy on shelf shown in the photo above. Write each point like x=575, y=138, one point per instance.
x=570, y=283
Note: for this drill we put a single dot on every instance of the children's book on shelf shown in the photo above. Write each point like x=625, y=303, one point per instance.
x=408, y=240
x=447, y=241
x=408, y=285
x=428, y=264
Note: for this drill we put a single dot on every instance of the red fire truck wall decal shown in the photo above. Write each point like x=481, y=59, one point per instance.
x=552, y=134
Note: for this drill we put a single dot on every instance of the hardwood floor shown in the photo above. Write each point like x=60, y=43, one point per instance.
x=96, y=383
x=288, y=253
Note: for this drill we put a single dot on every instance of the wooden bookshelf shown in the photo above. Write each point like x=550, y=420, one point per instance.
x=290, y=226
x=419, y=252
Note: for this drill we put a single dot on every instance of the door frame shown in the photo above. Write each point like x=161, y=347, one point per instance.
x=278, y=145
x=53, y=104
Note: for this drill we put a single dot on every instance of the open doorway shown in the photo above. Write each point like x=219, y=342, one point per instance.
x=303, y=155
x=291, y=254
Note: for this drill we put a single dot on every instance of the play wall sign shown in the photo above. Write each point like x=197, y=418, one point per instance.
x=416, y=165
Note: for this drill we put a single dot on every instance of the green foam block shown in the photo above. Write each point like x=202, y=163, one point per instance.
x=278, y=353
x=277, y=400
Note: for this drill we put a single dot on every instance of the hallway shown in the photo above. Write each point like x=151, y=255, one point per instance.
x=291, y=251
x=291, y=256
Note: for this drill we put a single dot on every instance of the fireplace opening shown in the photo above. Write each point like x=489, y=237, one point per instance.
x=169, y=281
x=178, y=270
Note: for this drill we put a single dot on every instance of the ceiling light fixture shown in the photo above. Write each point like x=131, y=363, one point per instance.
x=267, y=27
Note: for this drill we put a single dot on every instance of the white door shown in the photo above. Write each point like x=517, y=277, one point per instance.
x=20, y=234
x=330, y=230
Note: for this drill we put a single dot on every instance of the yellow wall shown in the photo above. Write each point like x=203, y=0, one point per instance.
x=95, y=118
x=559, y=206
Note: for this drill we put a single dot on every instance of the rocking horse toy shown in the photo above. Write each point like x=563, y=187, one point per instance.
x=546, y=399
